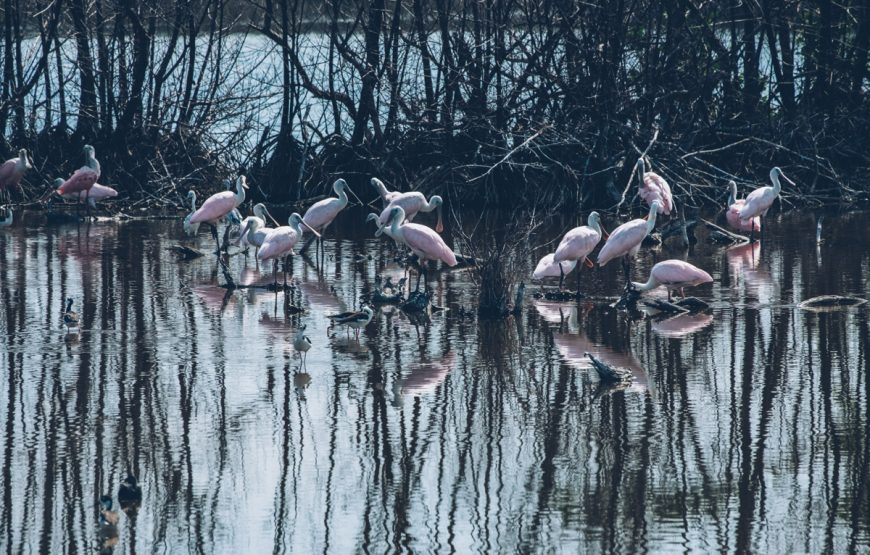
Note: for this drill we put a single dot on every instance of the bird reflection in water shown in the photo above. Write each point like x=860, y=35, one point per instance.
x=424, y=378
x=682, y=325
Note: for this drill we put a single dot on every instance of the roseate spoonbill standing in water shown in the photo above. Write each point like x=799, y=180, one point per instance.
x=412, y=203
x=759, y=201
x=217, y=207
x=423, y=241
x=578, y=244
x=548, y=268
x=372, y=217
x=302, y=343
x=323, y=212
x=258, y=220
x=354, y=320
x=386, y=196
x=254, y=232
x=626, y=239
x=673, y=274
x=7, y=221
x=732, y=215
x=96, y=193
x=653, y=187
x=84, y=178
x=279, y=243
x=12, y=171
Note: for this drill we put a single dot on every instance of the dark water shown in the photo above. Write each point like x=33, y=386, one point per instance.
x=745, y=428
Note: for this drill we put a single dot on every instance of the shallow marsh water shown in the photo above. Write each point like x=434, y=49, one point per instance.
x=745, y=428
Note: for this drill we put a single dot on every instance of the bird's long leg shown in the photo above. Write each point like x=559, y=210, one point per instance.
x=625, y=268
x=88, y=204
x=561, y=276
x=579, y=265
x=669, y=295
x=762, y=228
x=419, y=274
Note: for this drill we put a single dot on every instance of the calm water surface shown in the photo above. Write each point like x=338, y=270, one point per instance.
x=745, y=428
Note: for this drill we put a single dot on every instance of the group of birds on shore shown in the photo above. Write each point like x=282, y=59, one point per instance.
x=577, y=244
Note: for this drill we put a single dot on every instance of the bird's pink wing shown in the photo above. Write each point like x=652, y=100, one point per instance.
x=732, y=216
x=547, y=267
x=623, y=239
x=657, y=188
x=426, y=243
x=82, y=180
x=757, y=203
x=577, y=244
x=279, y=242
x=322, y=213
x=215, y=207
x=679, y=272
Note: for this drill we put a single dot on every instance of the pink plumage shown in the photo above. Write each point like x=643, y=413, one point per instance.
x=82, y=180
x=97, y=192
x=427, y=244
x=732, y=216
x=655, y=188
x=757, y=203
x=278, y=243
x=220, y=204
x=625, y=240
x=675, y=274
x=579, y=242
x=547, y=267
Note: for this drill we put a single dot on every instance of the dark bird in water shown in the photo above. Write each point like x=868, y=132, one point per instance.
x=70, y=318
x=129, y=494
x=108, y=525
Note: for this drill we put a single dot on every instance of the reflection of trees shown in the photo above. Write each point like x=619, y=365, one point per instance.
x=757, y=434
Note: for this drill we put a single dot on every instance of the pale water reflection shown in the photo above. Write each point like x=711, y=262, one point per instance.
x=745, y=427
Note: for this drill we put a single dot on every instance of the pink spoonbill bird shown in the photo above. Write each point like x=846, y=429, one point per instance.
x=653, y=187
x=386, y=196
x=96, y=193
x=323, y=212
x=12, y=170
x=412, y=203
x=547, y=267
x=219, y=206
x=578, y=244
x=732, y=215
x=257, y=223
x=760, y=200
x=673, y=274
x=626, y=239
x=84, y=178
x=279, y=243
x=423, y=241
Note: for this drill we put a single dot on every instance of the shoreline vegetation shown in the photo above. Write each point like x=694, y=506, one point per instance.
x=547, y=103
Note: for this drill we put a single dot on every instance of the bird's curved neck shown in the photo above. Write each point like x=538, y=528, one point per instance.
x=396, y=224
x=68, y=305
x=651, y=283
x=777, y=186
x=93, y=163
x=651, y=221
x=382, y=189
x=732, y=198
x=296, y=225
x=429, y=205
x=342, y=195
x=240, y=193
x=193, y=201
x=596, y=226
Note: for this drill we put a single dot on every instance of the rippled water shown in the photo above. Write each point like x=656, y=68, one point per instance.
x=745, y=427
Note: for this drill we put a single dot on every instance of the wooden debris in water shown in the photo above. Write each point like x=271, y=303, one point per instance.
x=186, y=253
x=689, y=304
x=609, y=374
x=830, y=302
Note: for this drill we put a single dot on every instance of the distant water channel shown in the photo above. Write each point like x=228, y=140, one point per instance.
x=746, y=427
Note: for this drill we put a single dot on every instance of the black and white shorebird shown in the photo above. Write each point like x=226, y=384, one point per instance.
x=302, y=343
x=354, y=320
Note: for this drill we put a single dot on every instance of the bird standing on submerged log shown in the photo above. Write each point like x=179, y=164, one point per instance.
x=547, y=267
x=732, y=215
x=673, y=274
x=12, y=171
x=423, y=241
x=578, y=244
x=626, y=239
x=652, y=187
x=760, y=200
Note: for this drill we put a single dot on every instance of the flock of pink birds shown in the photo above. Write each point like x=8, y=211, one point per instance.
x=396, y=221
x=624, y=243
